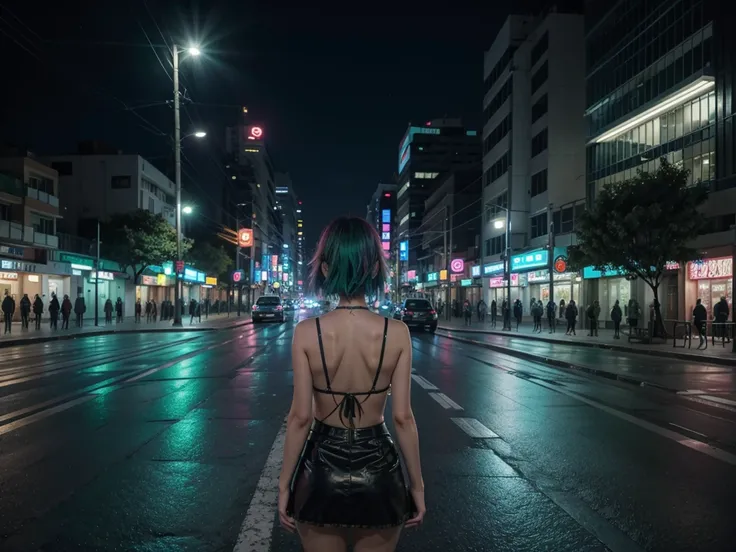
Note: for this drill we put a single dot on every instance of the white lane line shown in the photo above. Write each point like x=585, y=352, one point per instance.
x=699, y=446
x=691, y=392
x=446, y=402
x=688, y=429
x=257, y=528
x=423, y=383
x=719, y=400
x=44, y=414
x=474, y=428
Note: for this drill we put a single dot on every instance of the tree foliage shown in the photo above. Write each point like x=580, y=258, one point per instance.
x=641, y=224
x=139, y=239
x=211, y=259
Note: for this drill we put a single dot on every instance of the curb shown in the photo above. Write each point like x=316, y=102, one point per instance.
x=561, y=364
x=666, y=354
x=65, y=337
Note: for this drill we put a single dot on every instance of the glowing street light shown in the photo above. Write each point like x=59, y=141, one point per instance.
x=498, y=224
x=194, y=51
x=187, y=210
x=200, y=134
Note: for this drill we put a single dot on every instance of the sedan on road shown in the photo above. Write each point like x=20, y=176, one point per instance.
x=417, y=313
x=268, y=307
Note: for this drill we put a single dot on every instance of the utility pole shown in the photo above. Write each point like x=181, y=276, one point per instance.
x=551, y=260
x=177, y=176
x=445, y=262
x=97, y=277
x=237, y=252
x=508, y=273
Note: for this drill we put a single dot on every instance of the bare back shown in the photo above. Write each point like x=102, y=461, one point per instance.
x=352, y=343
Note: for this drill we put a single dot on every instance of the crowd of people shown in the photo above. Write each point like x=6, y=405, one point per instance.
x=33, y=310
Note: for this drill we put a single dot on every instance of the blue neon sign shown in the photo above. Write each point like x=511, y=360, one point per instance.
x=492, y=268
x=530, y=260
x=386, y=216
x=404, y=251
x=475, y=271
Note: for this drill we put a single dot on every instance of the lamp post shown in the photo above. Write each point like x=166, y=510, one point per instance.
x=192, y=51
x=506, y=222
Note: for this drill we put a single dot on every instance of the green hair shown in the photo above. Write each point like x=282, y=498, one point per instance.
x=356, y=263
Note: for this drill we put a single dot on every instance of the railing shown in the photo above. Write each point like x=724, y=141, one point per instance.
x=46, y=240
x=43, y=197
x=681, y=329
x=721, y=330
x=16, y=232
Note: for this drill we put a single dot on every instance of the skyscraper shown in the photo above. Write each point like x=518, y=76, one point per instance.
x=439, y=146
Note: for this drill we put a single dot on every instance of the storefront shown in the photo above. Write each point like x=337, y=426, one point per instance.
x=157, y=288
x=192, y=279
x=566, y=286
x=530, y=262
x=20, y=277
x=471, y=290
x=497, y=289
x=709, y=280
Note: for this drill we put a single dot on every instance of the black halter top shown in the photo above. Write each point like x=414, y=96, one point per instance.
x=350, y=404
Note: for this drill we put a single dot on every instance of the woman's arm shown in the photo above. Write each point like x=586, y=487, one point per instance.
x=300, y=415
x=406, y=426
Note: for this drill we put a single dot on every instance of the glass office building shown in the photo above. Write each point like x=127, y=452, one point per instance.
x=659, y=83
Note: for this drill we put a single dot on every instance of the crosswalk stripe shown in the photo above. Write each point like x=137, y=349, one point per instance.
x=446, y=402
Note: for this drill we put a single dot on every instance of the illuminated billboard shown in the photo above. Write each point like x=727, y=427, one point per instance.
x=254, y=132
x=404, y=251
x=386, y=235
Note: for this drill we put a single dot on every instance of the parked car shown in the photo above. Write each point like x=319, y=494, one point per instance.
x=268, y=307
x=417, y=313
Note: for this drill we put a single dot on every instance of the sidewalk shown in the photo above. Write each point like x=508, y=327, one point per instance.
x=715, y=354
x=19, y=336
x=695, y=373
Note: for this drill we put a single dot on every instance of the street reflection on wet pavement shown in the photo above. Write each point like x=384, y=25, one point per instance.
x=159, y=442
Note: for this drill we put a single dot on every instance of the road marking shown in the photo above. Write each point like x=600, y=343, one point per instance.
x=691, y=392
x=90, y=390
x=424, y=384
x=688, y=429
x=44, y=414
x=474, y=428
x=699, y=446
x=719, y=400
x=257, y=527
x=446, y=402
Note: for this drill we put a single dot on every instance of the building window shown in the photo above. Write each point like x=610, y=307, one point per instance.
x=498, y=245
x=5, y=212
x=425, y=175
x=539, y=108
x=497, y=207
x=539, y=225
x=64, y=168
x=539, y=143
x=540, y=77
x=539, y=48
x=497, y=134
x=41, y=184
x=120, y=182
x=498, y=100
x=497, y=170
x=41, y=224
x=404, y=219
x=498, y=69
x=403, y=189
x=539, y=183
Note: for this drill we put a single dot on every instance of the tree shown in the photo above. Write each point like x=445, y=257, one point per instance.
x=139, y=239
x=210, y=258
x=639, y=225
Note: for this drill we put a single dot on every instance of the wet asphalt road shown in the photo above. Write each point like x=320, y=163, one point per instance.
x=158, y=443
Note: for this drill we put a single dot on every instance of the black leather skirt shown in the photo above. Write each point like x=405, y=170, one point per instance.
x=350, y=478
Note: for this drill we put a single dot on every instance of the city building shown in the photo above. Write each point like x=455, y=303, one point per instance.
x=426, y=152
x=29, y=213
x=301, y=253
x=533, y=156
x=381, y=214
x=450, y=232
x=253, y=198
x=287, y=204
x=99, y=182
x=660, y=83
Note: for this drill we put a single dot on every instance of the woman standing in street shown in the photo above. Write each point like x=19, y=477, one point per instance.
x=347, y=485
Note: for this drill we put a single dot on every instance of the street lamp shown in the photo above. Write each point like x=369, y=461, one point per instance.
x=192, y=51
x=187, y=210
x=498, y=224
x=200, y=134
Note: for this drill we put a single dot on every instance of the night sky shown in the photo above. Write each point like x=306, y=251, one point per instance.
x=333, y=93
